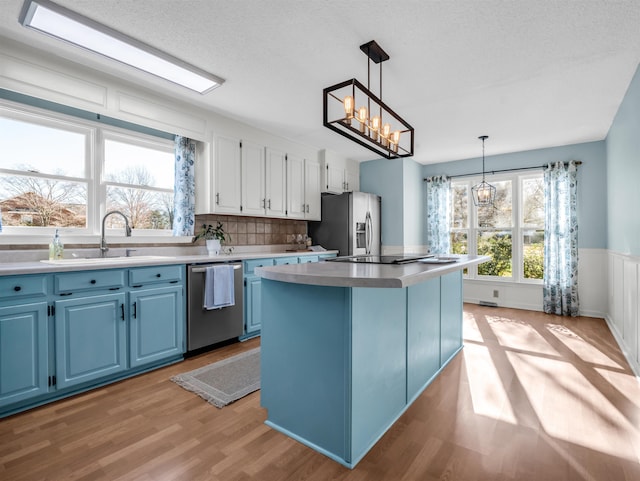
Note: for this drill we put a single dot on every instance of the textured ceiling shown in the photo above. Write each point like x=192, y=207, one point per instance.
x=529, y=74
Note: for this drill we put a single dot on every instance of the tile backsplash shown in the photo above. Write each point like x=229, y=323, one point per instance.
x=247, y=231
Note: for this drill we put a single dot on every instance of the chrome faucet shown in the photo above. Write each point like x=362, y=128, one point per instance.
x=103, y=242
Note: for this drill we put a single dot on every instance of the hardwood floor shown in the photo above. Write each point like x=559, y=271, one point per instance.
x=530, y=397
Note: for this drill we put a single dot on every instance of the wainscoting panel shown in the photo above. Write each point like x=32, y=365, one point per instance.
x=592, y=288
x=623, y=315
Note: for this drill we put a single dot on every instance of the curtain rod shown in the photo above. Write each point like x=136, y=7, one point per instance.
x=577, y=162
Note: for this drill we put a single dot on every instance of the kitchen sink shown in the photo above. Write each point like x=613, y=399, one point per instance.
x=102, y=260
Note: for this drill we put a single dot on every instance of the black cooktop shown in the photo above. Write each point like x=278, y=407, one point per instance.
x=400, y=259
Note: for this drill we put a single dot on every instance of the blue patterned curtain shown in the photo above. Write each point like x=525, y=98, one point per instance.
x=438, y=192
x=184, y=205
x=560, y=282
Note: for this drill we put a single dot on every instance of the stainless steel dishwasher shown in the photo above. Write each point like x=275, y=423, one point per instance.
x=207, y=327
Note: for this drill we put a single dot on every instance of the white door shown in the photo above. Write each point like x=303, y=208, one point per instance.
x=335, y=178
x=276, y=183
x=253, y=179
x=312, y=189
x=295, y=187
x=228, y=176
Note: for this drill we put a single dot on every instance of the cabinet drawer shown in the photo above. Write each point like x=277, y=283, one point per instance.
x=88, y=280
x=12, y=287
x=249, y=266
x=306, y=259
x=280, y=261
x=155, y=274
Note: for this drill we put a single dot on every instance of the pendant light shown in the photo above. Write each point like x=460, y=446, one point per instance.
x=484, y=194
x=352, y=110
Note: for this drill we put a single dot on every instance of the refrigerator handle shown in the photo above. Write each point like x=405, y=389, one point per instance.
x=368, y=234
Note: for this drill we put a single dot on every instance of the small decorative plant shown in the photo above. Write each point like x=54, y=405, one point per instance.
x=208, y=232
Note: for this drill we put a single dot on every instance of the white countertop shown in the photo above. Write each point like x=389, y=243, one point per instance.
x=343, y=274
x=71, y=265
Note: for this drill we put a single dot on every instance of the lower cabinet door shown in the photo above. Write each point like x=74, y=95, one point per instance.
x=157, y=324
x=90, y=338
x=253, y=302
x=23, y=352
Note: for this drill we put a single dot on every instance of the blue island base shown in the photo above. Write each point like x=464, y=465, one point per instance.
x=339, y=365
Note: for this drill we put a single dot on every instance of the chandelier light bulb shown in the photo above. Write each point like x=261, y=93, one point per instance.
x=363, y=114
x=386, y=130
x=348, y=108
x=395, y=140
x=375, y=127
x=483, y=194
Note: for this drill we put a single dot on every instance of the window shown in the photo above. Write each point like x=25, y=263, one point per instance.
x=511, y=231
x=138, y=177
x=64, y=172
x=44, y=177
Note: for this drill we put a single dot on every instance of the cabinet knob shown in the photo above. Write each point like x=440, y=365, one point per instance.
x=158, y=275
x=92, y=281
x=17, y=288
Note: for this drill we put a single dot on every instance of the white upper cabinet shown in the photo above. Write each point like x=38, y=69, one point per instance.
x=253, y=179
x=312, y=188
x=338, y=173
x=352, y=177
x=296, y=205
x=275, y=187
x=228, y=180
x=245, y=178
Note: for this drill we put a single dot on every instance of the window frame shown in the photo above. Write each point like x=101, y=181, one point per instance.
x=517, y=225
x=140, y=140
x=96, y=133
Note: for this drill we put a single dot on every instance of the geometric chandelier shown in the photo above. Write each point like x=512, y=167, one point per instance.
x=352, y=110
x=483, y=193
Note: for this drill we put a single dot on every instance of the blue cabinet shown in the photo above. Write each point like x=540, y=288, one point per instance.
x=253, y=301
x=91, y=338
x=283, y=261
x=156, y=314
x=64, y=333
x=253, y=297
x=253, y=288
x=156, y=327
x=24, y=371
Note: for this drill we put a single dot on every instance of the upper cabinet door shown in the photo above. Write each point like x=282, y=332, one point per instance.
x=335, y=179
x=253, y=179
x=296, y=205
x=275, y=187
x=351, y=180
x=228, y=176
x=312, y=188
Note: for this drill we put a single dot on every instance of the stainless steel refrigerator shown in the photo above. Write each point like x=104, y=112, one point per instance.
x=350, y=223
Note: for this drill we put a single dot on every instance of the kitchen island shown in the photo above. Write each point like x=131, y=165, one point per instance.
x=346, y=348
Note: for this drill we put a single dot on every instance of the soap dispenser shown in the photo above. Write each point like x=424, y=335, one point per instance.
x=56, y=249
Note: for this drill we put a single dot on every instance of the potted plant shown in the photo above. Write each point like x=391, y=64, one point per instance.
x=214, y=236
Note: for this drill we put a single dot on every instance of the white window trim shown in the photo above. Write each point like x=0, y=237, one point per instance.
x=517, y=254
x=96, y=187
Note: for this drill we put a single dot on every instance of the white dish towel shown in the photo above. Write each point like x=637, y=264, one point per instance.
x=218, y=287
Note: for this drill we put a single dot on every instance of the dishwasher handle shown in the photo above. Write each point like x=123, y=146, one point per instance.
x=204, y=269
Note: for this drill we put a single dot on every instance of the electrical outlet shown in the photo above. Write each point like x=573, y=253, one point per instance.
x=496, y=293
